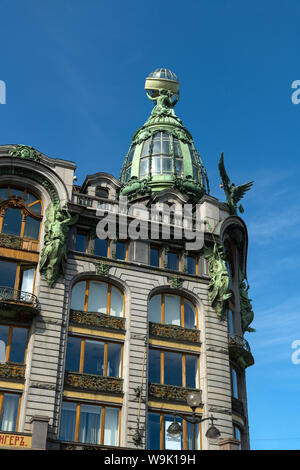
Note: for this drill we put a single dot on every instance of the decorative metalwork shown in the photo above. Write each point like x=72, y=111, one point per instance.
x=10, y=241
x=7, y=294
x=97, y=320
x=12, y=371
x=237, y=406
x=170, y=392
x=93, y=383
x=240, y=352
x=102, y=268
x=174, y=332
x=24, y=151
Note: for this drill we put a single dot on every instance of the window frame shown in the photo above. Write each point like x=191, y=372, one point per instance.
x=196, y=257
x=158, y=248
x=183, y=366
x=125, y=242
x=108, y=247
x=105, y=359
x=234, y=380
x=108, y=303
x=102, y=420
x=184, y=430
x=179, y=253
x=80, y=231
x=19, y=265
x=182, y=300
x=17, y=203
x=2, y=394
x=9, y=340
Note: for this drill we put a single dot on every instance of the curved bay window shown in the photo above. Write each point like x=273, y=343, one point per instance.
x=97, y=296
x=161, y=154
x=20, y=213
x=172, y=309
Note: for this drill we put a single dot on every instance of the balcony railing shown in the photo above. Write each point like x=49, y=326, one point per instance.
x=240, y=352
x=239, y=341
x=18, y=304
x=17, y=243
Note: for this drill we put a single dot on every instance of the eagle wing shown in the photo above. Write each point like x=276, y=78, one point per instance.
x=224, y=177
x=240, y=191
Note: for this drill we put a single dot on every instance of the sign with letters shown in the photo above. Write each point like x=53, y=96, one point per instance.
x=15, y=440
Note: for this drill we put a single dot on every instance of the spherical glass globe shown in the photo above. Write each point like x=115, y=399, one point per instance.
x=193, y=399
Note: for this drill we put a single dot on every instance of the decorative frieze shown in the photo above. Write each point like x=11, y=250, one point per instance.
x=172, y=393
x=174, y=332
x=97, y=320
x=12, y=371
x=10, y=241
x=93, y=383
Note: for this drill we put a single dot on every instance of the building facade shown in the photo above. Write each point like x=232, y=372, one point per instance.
x=102, y=340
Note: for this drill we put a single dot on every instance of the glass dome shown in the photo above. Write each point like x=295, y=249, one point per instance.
x=163, y=73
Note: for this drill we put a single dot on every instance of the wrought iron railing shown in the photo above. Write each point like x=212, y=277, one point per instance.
x=7, y=294
x=239, y=341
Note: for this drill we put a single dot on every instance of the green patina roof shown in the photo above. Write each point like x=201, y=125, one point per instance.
x=162, y=153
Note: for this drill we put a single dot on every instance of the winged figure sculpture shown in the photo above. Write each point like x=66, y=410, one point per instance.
x=233, y=193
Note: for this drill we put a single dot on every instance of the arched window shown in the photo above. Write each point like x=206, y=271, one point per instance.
x=96, y=296
x=20, y=212
x=172, y=309
x=101, y=192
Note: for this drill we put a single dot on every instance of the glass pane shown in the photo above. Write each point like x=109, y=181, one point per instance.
x=81, y=242
x=97, y=297
x=111, y=430
x=73, y=354
x=173, y=368
x=101, y=192
x=190, y=320
x=195, y=172
x=153, y=431
x=114, y=360
x=37, y=207
x=27, y=278
x=32, y=228
x=156, y=147
x=9, y=412
x=191, y=264
x=4, y=194
x=78, y=296
x=93, y=357
x=154, y=257
x=231, y=324
x=18, y=345
x=191, y=366
x=166, y=147
x=3, y=341
x=144, y=167
x=121, y=250
x=173, y=260
x=16, y=192
x=130, y=155
x=100, y=247
x=172, y=310
x=166, y=165
x=155, y=309
x=146, y=148
x=234, y=383
x=155, y=165
x=116, y=304
x=28, y=198
x=89, y=427
x=12, y=221
x=171, y=441
x=189, y=429
x=154, y=366
x=176, y=147
x=68, y=421
x=178, y=166
x=8, y=275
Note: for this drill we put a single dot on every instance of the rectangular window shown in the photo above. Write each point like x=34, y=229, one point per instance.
x=94, y=357
x=101, y=247
x=121, y=250
x=81, y=241
x=173, y=260
x=90, y=424
x=155, y=256
x=158, y=437
x=173, y=368
x=9, y=406
x=8, y=273
x=13, y=343
x=192, y=264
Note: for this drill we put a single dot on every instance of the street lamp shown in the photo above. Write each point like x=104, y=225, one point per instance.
x=194, y=401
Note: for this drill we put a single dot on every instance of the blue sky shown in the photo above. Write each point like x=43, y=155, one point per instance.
x=74, y=72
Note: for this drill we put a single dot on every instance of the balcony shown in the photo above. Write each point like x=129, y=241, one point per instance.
x=17, y=304
x=240, y=352
x=93, y=383
x=170, y=393
x=174, y=333
x=17, y=243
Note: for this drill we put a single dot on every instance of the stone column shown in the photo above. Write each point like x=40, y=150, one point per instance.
x=229, y=444
x=39, y=432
